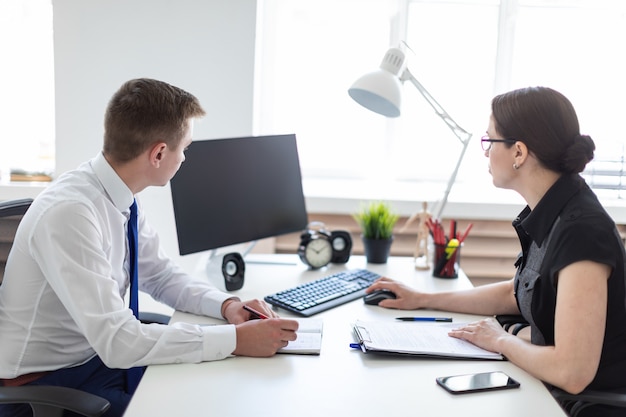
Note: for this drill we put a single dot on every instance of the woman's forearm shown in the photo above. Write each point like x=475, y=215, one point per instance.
x=487, y=300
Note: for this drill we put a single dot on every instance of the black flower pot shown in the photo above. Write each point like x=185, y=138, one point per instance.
x=377, y=250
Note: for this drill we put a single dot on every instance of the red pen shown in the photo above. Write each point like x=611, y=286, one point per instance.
x=254, y=312
x=469, y=227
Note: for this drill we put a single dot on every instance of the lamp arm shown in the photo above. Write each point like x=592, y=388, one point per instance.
x=463, y=136
x=458, y=131
x=452, y=179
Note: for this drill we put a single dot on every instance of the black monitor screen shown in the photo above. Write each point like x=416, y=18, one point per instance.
x=236, y=190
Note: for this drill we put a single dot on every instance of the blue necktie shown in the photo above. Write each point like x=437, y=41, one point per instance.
x=132, y=256
x=133, y=376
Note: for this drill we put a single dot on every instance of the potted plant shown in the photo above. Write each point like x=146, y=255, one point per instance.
x=377, y=221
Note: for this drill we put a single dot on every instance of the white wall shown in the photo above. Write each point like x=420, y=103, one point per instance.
x=203, y=46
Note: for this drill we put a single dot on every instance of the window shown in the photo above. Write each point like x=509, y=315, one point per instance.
x=463, y=52
x=311, y=51
x=27, y=85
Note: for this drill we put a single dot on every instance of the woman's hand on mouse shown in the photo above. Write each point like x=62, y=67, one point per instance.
x=406, y=297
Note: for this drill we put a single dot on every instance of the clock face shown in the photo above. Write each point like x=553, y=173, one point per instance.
x=318, y=253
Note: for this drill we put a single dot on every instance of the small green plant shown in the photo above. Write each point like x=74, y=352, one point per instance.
x=376, y=220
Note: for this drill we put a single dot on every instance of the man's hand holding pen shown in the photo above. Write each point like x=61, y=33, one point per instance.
x=235, y=313
x=260, y=331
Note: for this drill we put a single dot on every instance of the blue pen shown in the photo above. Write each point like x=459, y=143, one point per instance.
x=358, y=346
x=441, y=319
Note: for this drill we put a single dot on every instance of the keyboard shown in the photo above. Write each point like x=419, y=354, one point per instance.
x=324, y=293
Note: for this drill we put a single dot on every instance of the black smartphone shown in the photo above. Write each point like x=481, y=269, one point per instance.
x=486, y=381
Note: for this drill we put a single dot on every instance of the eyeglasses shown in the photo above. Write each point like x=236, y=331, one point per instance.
x=486, y=142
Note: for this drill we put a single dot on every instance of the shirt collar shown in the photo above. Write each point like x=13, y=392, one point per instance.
x=538, y=222
x=118, y=191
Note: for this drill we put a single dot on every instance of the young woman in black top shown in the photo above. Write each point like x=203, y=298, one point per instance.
x=570, y=283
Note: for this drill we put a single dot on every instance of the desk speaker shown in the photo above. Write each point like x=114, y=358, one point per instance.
x=233, y=269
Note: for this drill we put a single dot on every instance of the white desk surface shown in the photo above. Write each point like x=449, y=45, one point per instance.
x=341, y=381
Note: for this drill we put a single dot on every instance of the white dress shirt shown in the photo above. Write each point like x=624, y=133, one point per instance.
x=62, y=297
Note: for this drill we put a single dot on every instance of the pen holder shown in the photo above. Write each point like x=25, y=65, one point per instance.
x=447, y=259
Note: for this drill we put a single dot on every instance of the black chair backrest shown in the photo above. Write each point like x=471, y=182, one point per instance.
x=11, y=213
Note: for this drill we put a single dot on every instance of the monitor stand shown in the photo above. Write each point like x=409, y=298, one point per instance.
x=213, y=254
x=212, y=265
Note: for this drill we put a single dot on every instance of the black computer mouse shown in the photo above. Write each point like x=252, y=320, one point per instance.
x=376, y=297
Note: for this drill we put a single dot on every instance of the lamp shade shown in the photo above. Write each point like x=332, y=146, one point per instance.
x=380, y=90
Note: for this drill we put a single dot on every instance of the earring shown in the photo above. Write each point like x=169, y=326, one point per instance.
x=515, y=166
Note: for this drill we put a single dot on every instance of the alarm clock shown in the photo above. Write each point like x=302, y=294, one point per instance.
x=319, y=247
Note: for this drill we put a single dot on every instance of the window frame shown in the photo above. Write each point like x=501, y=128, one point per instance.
x=507, y=13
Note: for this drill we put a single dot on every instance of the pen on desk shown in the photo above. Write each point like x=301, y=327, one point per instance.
x=358, y=346
x=254, y=312
x=440, y=319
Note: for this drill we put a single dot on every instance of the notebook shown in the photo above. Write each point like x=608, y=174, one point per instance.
x=309, y=341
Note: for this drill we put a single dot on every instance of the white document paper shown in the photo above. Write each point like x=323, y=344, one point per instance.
x=417, y=338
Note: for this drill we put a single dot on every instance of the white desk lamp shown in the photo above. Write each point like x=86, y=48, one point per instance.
x=380, y=91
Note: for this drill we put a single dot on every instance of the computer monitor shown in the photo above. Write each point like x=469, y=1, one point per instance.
x=237, y=190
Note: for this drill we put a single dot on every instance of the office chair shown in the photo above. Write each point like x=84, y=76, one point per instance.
x=52, y=401
x=11, y=213
x=48, y=401
x=575, y=404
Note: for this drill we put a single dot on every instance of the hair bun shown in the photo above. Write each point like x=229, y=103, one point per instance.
x=579, y=154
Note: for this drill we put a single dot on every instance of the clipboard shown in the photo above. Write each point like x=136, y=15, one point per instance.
x=421, y=339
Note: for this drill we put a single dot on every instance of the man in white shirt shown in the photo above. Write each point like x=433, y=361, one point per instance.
x=63, y=318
